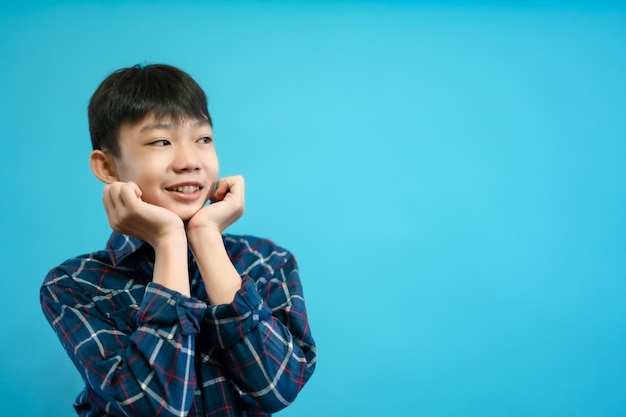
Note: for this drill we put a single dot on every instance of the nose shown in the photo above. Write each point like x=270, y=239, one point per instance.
x=185, y=158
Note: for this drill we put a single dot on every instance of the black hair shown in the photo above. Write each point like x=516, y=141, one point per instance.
x=130, y=94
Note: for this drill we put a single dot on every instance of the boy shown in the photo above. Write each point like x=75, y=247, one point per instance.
x=175, y=318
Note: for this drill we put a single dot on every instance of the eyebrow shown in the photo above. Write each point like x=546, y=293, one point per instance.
x=155, y=126
x=161, y=126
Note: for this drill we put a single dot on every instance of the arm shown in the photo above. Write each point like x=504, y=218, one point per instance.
x=138, y=369
x=264, y=334
x=268, y=348
x=161, y=228
x=204, y=231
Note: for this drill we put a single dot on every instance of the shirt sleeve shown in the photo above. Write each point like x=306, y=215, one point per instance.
x=265, y=337
x=147, y=371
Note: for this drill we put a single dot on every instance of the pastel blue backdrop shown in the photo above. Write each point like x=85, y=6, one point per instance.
x=450, y=175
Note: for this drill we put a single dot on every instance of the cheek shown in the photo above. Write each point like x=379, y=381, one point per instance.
x=214, y=166
x=144, y=177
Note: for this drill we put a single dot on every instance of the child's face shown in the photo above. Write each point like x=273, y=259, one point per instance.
x=174, y=164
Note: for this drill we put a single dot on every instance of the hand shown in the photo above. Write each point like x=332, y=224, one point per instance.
x=227, y=205
x=129, y=214
x=221, y=279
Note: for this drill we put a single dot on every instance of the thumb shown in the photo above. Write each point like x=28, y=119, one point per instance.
x=137, y=190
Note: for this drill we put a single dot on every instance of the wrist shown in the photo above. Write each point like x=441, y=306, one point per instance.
x=170, y=262
x=171, y=240
x=221, y=279
x=204, y=237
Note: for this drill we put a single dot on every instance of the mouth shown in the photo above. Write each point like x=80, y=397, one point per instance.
x=186, y=189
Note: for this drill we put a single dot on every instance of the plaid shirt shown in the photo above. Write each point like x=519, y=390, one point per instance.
x=143, y=349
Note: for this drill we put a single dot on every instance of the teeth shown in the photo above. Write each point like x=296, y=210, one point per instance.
x=187, y=189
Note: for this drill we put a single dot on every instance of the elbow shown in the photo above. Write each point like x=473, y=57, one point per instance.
x=270, y=402
x=275, y=401
x=284, y=392
x=139, y=406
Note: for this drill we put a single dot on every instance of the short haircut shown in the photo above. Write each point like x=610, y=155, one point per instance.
x=130, y=94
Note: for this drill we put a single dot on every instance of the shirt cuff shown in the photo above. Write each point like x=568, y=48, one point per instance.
x=229, y=323
x=164, y=307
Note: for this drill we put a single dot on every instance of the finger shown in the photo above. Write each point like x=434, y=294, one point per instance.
x=130, y=195
x=112, y=206
x=228, y=185
x=236, y=188
x=116, y=203
x=107, y=201
x=115, y=189
x=220, y=190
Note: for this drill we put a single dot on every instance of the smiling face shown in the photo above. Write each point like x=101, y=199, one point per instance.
x=173, y=163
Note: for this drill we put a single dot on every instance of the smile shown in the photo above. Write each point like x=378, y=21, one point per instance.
x=185, y=189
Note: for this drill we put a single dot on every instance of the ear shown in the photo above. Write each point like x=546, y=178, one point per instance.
x=103, y=166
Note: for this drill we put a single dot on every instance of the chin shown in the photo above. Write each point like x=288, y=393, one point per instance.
x=187, y=213
x=186, y=216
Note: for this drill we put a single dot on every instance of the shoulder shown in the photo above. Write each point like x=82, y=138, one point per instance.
x=242, y=244
x=82, y=268
x=93, y=280
x=254, y=254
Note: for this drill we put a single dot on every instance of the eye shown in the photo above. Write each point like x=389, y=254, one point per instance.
x=205, y=139
x=161, y=142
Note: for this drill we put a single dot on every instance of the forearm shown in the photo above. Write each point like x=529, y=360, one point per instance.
x=270, y=353
x=221, y=279
x=170, y=263
x=281, y=365
x=138, y=369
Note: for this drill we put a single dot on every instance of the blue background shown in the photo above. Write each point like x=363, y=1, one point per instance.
x=450, y=175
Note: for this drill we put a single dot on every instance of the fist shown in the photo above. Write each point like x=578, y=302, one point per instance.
x=129, y=214
x=227, y=205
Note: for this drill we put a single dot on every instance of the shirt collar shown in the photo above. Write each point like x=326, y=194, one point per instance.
x=120, y=246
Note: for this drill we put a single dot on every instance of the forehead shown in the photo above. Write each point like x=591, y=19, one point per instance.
x=151, y=124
